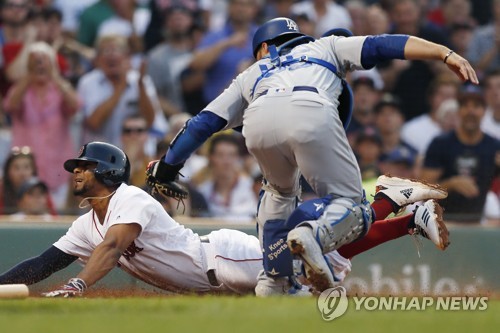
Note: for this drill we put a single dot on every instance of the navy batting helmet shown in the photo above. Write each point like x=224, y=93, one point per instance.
x=278, y=27
x=113, y=166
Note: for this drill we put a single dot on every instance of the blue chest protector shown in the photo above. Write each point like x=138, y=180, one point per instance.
x=346, y=97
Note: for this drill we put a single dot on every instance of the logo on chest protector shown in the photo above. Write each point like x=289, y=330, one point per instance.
x=131, y=250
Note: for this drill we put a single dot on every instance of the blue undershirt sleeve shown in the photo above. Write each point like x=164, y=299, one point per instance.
x=196, y=131
x=382, y=47
x=38, y=268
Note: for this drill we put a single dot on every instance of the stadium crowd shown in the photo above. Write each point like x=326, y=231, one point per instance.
x=131, y=72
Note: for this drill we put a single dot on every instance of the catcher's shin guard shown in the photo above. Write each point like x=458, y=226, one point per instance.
x=342, y=222
x=277, y=258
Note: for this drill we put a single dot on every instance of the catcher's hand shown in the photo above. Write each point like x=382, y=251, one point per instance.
x=161, y=178
x=74, y=287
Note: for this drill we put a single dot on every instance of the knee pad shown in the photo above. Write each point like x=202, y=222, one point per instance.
x=277, y=257
x=342, y=222
x=309, y=210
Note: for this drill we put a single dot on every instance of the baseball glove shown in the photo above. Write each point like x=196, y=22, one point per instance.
x=161, y=179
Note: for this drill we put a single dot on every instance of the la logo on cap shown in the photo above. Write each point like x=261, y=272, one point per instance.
x=291, y=25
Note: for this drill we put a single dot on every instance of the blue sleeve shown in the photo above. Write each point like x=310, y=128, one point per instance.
x=195, y=132
x=38, y=268
x=382, y=47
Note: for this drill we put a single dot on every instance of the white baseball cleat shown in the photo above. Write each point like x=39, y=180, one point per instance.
x=402, y=191
x=429, y=223
x=303, y=244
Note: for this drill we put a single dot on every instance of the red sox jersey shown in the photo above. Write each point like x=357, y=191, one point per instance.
x=166, y=254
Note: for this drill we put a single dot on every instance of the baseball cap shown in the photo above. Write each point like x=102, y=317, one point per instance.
x=471, y=92
x=30, y=184
x=364, y=80
x=368, y=134
x=401, y=154
x=388, y=100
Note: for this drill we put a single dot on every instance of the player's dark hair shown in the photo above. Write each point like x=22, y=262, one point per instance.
x=225, y=138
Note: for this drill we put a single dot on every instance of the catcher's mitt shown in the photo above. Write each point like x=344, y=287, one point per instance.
x=160, y=178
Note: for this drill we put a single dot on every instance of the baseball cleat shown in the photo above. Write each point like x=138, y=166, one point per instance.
x=402, y=191
x=303, y=244
x=429, y=224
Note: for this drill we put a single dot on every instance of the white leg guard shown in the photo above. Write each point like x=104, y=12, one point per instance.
x=342, y=222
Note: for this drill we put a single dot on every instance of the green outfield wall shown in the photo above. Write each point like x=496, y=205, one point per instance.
x=471, y=265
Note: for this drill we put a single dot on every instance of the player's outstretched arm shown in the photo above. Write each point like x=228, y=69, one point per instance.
x=38, y=268
x=420, y=49
x=105, y=256
x=102, y=260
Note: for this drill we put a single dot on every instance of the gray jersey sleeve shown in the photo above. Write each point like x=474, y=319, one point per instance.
x=231, y=104
x=348, y=52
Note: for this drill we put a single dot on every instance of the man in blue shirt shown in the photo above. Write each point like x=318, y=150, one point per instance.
x=465, y=161
x=226, y=52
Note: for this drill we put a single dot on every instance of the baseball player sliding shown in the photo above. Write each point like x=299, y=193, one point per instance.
x=128, y=228
x=292, y=104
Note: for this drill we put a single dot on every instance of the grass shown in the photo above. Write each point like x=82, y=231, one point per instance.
x=225, y=314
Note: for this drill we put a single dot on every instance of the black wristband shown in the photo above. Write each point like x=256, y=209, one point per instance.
x=450, y=52
x=167, y=172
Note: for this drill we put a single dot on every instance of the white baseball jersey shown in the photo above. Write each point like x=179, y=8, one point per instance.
x=166, y=254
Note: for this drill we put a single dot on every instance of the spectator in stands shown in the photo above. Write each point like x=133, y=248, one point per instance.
x=485, y=44
x=452, y=12
x=71, y=12
x=324, y=13
x=278, y=8
x=465, y=161
x=460, y=37
x=154, y=32
x=389, y=120
x=18, y=168
x=134, y=138
x=413, y=78
x=447, y=115
x=368, y=149
x=42, y=26
x=306, y=25
x=113, y=91
x=13, y=33
x=358, y=11
x=90, y=20
x=33, y=199
x=420, y=131
x=399, y=162
x=228, y=191
x=41, y=106
x=178, y=49
x=377, y=20
x=491, y=120
x=366, y=96
x=225, y=53
x=130, y=20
